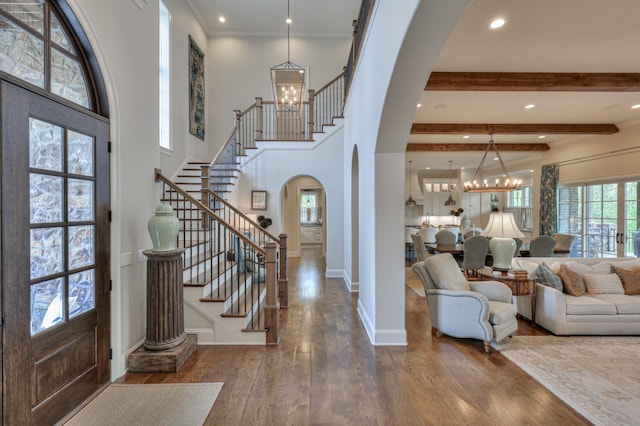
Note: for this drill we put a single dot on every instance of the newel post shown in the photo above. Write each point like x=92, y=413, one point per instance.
x=205, y=173
x=258, y=119
x=310, y=129
x=236, y=120
x=283, y=279
x=272, y=307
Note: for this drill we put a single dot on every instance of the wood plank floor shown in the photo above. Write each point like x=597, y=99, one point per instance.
x=325, y=371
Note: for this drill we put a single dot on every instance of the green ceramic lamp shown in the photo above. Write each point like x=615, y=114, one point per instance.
x=502, y=229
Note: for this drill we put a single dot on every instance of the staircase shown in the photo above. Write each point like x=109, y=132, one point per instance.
x=231, y=266
x=235, y=277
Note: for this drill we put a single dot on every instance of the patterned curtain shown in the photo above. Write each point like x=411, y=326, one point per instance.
x=548, y=195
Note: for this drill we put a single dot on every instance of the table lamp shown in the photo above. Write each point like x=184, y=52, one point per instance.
x=502, y=229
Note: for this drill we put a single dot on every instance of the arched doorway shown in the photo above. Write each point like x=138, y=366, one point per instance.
x=304, y=207
x=55, y=215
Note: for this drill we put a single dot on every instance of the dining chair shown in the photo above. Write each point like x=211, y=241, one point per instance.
x=565, y=242
x=474, y=256
x=418, y=245
x=518, y=246
x=542, y=246
x=446, y=237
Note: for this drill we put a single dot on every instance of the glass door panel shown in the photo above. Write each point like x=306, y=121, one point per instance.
x=570, y=216
x=600, y=220
x=61, y=288
x=631, y=241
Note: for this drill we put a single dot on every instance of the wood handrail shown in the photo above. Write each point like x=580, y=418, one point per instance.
x=326, y=86
x=246, y=111
x=221, y=150
x=242, y=215
x=159, y=177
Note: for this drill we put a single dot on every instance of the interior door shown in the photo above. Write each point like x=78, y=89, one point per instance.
x=55, y=256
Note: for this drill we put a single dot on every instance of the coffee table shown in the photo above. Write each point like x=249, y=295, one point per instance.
x=519, y=286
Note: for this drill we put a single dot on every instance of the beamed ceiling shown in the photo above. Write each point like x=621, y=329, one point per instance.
x=573, y=59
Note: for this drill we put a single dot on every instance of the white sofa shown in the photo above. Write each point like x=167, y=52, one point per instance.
x=590, y=314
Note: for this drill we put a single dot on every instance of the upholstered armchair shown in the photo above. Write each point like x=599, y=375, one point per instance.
x=460, y=308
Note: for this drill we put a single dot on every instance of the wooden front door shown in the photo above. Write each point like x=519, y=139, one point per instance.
x=55, y=256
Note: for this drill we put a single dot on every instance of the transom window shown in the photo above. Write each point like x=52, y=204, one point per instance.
x=35, y=47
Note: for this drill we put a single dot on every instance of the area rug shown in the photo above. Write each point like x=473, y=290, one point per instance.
x=599, y=377
x=412, y=281
x=151, y=404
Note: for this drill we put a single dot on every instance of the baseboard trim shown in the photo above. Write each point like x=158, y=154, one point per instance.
x=384, y=337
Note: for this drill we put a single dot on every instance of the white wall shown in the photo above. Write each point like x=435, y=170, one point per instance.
x=185, y=146
x=400, y=49
x=238, y=71
x=620, y=161
x=124, y=39
x=271, y=170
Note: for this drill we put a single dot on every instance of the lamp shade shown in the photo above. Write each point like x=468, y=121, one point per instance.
x=502, y=225
x=502, y=229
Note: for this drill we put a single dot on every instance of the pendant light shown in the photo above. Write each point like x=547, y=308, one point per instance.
x=287, y=80
x=450, y=201
x=500, y=185
x=410, y=201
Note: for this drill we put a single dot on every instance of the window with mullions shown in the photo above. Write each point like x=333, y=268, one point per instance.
x=35, y=47
x=522, y=197
x=604, y=218
x=310, y=211
x=520, y=203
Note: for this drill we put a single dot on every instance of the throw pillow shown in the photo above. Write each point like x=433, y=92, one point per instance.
x=629, y=265
x=630, y=279
x=571, y=281
x=545, y=276
x=603, y=284
x=598, y=268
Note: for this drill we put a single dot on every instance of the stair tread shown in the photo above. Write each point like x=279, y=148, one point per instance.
x=244, y=304
x=205, y=278
x=199, y=258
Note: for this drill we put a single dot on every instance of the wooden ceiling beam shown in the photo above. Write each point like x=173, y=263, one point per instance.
x=450, y=147
x=525, y=128
x=534, y=81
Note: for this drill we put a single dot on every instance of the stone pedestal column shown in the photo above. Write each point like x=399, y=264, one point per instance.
x=166, y=347
x=165, y=312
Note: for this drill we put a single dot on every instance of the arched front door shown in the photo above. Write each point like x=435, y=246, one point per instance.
x=54, y=227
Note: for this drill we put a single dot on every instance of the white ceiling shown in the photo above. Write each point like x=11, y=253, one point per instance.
x=310, y=18
x=539, y=36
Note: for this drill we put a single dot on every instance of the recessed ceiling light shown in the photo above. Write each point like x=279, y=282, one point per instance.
x=461, y=168
x=289, y=20
x=222, y=19
x=495, y=158
x=428, y=168
x=466, y=137
x=531, y=170
x=529, y=106
x=541, y=137
x=497, y=23
x=419, y=105
x=636, y=106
